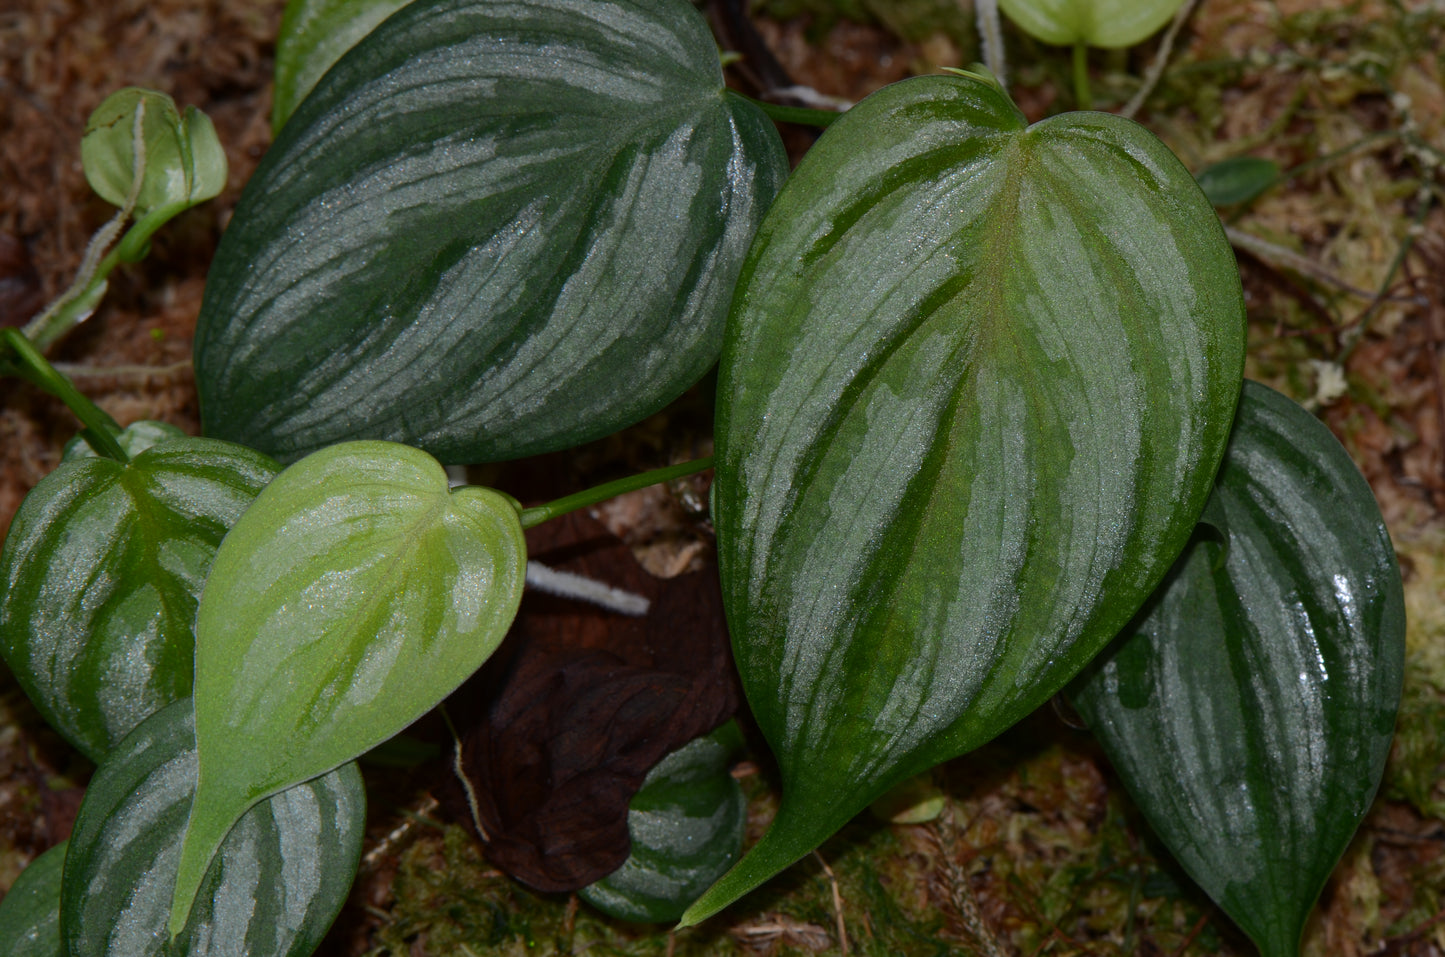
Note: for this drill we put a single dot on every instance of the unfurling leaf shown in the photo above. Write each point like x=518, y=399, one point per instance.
x=1250, y=711
x=179, y=161
x=977, y=380
x=353, y=596
x=273, y=889
x=102, y=571
x=493, y=229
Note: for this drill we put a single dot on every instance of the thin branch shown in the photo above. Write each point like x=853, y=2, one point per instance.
x=990, y=34
x=1161, y=60
x=837, y=904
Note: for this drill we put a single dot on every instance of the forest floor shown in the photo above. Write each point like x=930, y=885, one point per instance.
x=1039, y=851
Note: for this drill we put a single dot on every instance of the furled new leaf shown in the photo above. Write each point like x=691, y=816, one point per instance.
x=977, y=380
x=30, y=910
x=491, y=230
x=1098, y=23
x=101, y=574
x=138, y=141
x=272, y=891
x=314, y=34
x=686, y=825
x=1250, y=711
x=355, y=594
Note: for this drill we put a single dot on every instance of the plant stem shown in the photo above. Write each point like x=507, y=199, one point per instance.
x=802, y=115
x=532, y=517
x=990, y=36
x=100, y=428
x=1082, y=97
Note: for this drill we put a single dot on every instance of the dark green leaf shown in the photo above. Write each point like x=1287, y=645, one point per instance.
x=1250, y=712
x=977, y=380
x=354, y=594
x=102, y=572
x=1237, y=180
x=314, y=34
x=491, y=230
x=273, y=890
x=686, y=825
x=30, y=910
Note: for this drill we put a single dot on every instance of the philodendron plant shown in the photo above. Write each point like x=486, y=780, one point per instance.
x=980, y=440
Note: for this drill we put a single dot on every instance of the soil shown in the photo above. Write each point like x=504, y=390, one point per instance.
x=1039, y=852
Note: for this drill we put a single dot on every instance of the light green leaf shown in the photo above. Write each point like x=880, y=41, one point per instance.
x=180, y=161
x=977, y=380
x=1099, y=23
x=492, y=230
x=686, y=824
x=101, y=574
x=353, y=596
x=314, y=34
x=30, y=910
x=1250, y=712
x=272, y=891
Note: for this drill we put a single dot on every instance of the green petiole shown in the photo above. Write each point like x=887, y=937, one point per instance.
x=532, y=517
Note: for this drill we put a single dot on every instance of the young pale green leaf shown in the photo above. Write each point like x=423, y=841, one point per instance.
x=180, y=161
x=355, y=594
x=314, y=34
x=1251, y=710
x=491, y=230
x=1238, y=179
x=30, y=910
x=272, y=891
x=686, y=825
x=101, y=574
x=1099, y=23
x=977, y=380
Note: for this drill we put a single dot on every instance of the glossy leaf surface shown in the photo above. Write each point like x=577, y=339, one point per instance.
x=686, y=825
x=30, y=910
x=1099, y=23
x=314, y=34
x=1251, y=711
x=977, y=380
x=102, y=571
x=272, y=891
x=491, y=230
x=355, y=594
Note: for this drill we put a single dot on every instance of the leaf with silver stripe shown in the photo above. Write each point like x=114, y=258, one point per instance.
x=1250, y=712
x=273, y=889
x=977, y=380
x=101, y=575
x=491, y=230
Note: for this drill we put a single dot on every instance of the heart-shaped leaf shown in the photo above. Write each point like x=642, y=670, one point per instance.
x=102, y=571
x=30, y=910
x=977, y=380
x=1250, y=711
x=273, y=890
x=313, y=36
x=483, y=220
x=353, y=596
x=141, y=135
x=1099, y=23
x=686, y=825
